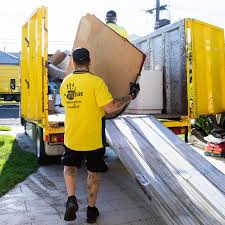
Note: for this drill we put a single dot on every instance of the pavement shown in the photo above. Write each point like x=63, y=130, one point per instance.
x=40, y=199
x=9, y=110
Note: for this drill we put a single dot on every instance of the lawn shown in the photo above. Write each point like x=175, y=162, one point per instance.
x=5, y=128
x=15, y=164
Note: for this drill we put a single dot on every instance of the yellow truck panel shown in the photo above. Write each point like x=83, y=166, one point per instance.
x=34, y=81
x=208, y=73
x=8, y=72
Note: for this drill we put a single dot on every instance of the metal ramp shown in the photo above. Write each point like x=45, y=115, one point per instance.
x=186, y=188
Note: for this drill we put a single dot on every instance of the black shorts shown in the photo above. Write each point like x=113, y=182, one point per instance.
x=94, y=159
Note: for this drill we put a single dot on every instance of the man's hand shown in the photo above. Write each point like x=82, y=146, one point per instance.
x=134, y=90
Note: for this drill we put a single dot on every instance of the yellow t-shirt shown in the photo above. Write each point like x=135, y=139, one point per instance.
x=120, y=30
x=83, y=95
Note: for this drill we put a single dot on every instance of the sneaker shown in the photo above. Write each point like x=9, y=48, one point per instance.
x=92, y=214
x=71, y=209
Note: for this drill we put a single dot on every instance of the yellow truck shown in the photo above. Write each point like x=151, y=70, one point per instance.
x=9, y=77
x=168, y=47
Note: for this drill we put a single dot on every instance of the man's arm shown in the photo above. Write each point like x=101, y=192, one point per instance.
x=117, y=104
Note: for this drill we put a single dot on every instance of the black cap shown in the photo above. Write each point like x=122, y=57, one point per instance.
x=111, y=14
x=81, y=55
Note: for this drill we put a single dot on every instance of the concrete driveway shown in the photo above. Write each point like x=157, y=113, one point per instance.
x=40, y=199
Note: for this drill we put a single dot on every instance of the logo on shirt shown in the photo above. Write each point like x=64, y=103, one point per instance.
x=71, y=92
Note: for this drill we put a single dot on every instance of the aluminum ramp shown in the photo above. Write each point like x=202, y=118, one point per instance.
x=184, y=186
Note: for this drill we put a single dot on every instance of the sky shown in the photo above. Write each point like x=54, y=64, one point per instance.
x=64, y=17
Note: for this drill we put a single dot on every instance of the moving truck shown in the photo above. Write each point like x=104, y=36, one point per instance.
x=9, y=77
x=166, y=90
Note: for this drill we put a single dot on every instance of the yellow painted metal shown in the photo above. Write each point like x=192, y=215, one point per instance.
x=34, y=81
x=8, y=72
x=56, y=130
x=183, y=122
x=45, y=71
x=24, y=73
x=207, y=45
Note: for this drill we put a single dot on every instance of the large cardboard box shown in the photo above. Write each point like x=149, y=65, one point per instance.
x=113, y=57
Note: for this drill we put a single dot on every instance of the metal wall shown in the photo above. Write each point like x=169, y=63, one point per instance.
x=34, y=83
x=208, y=68
x=167, y=47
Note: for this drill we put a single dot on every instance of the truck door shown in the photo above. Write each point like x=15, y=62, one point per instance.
x=34, y=81
x=207, y=62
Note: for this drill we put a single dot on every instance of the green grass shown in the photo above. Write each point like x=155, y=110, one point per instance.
x=15, y=164
x=5, y=128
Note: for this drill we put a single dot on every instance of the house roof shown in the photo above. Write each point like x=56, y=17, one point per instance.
x=8, y=59
x=16, y=54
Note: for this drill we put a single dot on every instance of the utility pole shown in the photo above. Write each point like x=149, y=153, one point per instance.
x=159, y=22
x=157, y=16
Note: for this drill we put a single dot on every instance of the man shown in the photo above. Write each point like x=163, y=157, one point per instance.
x=111, y=20
x=86, y=98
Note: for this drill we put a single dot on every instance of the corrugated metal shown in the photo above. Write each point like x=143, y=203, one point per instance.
x=167, y=47
x=34, y=102
x=208, y=68
x=187, y=188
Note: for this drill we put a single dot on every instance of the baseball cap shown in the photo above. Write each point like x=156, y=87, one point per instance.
x=81, y=55
x=111, y=14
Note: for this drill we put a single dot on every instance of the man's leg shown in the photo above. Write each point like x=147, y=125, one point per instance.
x=71, y=205
x=71, y=160
x=70, y=179
x=93, y=186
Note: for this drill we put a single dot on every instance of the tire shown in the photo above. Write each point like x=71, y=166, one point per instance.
x=8, y=98
x=25, y=127
x=186, y=136
x=17, y=98
x=42, y=157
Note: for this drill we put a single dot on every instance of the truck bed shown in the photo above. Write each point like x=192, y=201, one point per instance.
x=56, y=117
x=187, y=188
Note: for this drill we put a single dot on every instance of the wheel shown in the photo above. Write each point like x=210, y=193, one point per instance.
x=25, y=127
x=17, y=98
x=42, y=157
x=186, y=135
x=8, y=98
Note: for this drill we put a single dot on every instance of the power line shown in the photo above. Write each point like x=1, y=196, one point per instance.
x=159, y=22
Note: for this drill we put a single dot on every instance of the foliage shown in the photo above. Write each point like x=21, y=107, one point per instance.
x=202, y=121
